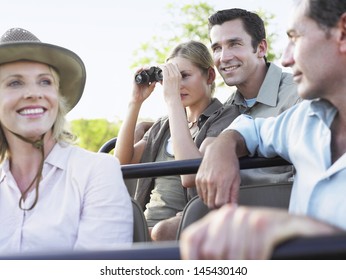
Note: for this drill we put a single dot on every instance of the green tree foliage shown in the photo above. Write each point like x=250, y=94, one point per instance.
x=271, y=37
x=193, y=25
x=92, y=134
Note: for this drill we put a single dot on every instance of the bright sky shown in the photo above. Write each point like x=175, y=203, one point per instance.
x=104, y=33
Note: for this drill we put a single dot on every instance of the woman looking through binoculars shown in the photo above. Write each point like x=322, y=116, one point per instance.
x=188, y=87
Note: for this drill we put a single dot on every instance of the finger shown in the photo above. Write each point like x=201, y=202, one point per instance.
x=190, y=241
x=222, y=195
x=234, y=191
x=152, y=86
x=261, y=245
x=200, y=186
x=176, y=70
x=205, y=188
x=215, y=246
x=210, y=195
x=237, y=238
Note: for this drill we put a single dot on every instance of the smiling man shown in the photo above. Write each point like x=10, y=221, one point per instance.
x=239, y=48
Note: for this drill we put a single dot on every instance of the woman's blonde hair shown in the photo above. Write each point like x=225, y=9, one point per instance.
x=60, y=130
x=198, y=54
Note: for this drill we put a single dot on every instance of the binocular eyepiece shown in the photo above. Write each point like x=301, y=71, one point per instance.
x=154, y=74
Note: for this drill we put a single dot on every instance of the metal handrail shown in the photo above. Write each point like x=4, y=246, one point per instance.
x=312, y=248
x=189, y=166
x=181, y=167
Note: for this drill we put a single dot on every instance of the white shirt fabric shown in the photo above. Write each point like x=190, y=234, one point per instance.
x=83, y=204
x=302, y=136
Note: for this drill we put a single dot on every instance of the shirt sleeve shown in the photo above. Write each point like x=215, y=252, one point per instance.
x=222, y=119
x=245, y=125
x=106, y=215
x=267, y=137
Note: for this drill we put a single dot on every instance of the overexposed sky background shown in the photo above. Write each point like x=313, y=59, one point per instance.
x=104, y=33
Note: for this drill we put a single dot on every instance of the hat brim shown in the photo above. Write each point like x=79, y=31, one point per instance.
x=69, y=66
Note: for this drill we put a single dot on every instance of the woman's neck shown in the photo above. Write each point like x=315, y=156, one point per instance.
x=25, y=158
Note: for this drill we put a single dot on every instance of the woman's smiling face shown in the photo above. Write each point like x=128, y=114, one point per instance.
x=29, y=98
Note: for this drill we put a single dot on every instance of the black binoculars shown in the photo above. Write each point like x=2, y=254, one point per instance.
x=154, y=74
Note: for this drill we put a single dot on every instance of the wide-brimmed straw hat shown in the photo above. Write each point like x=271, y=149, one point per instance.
x=18, y=44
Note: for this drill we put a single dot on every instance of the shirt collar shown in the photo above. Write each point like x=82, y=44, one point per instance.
x=5, y=166
x=214, y=105
x=324, y=110
x=57, y=157
x=269, y=90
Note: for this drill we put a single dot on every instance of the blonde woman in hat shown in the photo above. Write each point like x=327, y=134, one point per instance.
x=53, y=195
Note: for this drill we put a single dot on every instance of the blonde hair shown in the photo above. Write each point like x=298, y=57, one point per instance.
x=198, y=54
x=60, y=130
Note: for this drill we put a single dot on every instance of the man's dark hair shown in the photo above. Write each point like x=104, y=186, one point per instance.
x=326, y=13
x=252, y=23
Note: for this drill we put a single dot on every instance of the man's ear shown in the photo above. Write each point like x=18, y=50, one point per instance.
x=342, y=32
x=262, y=48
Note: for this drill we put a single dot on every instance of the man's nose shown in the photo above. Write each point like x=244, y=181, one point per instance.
x=287, y=57
x=226, y=55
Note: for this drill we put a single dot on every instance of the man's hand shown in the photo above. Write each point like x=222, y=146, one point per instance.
x=233, y=232
x=218, y=177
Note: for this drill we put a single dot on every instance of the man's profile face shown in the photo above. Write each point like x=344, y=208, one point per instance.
x=310, y=53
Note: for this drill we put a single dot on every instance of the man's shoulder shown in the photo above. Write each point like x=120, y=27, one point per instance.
x=287, y=86
x=283, y=75
x=287, y=79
